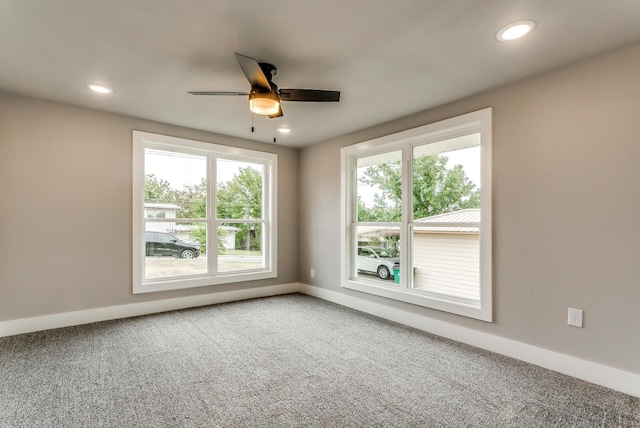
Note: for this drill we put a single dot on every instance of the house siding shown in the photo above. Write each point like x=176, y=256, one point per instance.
x=447, y=264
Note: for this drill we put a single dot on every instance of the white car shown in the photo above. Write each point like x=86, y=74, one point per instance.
x=377, y=260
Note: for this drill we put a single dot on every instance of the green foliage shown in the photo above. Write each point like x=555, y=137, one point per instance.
x=156, y=189
x=436, y=190
x=239, y=198
x=192, y=200
x=200, y=236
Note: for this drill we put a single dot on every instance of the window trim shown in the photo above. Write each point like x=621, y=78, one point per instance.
x=142, y=140
x=478, y=121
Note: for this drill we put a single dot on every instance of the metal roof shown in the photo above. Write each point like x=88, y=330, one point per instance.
x=462, y=221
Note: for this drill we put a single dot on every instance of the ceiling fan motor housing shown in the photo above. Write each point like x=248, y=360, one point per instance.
x=269, y=70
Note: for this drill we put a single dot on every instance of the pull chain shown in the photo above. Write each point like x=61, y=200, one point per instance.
x=274, y=130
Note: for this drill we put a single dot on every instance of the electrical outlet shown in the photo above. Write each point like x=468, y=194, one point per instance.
x=312, y=273
x=575, y=317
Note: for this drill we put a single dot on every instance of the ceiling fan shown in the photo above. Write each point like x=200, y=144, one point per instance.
x=265, y=96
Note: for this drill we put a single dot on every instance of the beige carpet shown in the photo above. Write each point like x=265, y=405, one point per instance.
x=283, y=361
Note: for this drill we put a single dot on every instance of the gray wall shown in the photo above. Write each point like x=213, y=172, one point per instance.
x=65, y=216
x=565, y=210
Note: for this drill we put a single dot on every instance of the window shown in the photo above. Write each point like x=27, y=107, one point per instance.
x=417, y=216
x=203, y=214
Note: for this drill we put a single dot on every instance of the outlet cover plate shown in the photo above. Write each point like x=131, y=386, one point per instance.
x=575, y=317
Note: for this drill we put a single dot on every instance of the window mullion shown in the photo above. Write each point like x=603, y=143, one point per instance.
x=212, y=224
x=266, y=210
x=407, y=209
x=352, y=215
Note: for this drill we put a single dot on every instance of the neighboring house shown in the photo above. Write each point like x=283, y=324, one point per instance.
x=158, y=210
x=447, y=257
x=385, y=237
x=184, y=232
x=227, y=237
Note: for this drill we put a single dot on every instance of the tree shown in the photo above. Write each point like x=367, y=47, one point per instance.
x=436, y=190
x=157, y=189
x=241, y=198
x=192, y=200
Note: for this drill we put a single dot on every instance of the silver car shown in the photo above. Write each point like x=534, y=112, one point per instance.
x=379, y=261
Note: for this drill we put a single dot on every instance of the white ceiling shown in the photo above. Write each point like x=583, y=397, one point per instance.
x=389, y=59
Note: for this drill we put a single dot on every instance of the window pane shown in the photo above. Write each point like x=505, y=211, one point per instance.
x=446, y=176
x=178, y=251
x=239, y=189
x=240, y=247
x=379, y=188
x=446, y=211
x=377, y=253
x=174, y=185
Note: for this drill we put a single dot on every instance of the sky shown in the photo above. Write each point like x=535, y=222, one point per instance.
x=182, y=169
x=470, y=161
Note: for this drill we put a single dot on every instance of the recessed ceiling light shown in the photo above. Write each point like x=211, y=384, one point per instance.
x=99, y=88
x=515, y=30
x=284, y=130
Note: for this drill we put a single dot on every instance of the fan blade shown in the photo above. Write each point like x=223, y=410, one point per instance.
x=278, y=114
x=312, y=95
x=252, y=70
x=217, y=93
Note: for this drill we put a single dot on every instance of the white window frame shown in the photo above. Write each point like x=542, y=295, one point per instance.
x=479, y=121
x=143, y=140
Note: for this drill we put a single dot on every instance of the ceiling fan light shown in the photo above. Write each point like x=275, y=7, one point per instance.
x=265, y=103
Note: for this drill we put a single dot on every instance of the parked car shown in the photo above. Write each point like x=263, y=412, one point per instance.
x=165, y=244
x=377, y=260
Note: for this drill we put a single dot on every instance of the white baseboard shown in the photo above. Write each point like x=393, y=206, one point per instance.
x=619, y=380
x=67, y=319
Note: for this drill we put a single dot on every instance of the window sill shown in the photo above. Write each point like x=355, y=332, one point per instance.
x=416, y=297
x=152, y=286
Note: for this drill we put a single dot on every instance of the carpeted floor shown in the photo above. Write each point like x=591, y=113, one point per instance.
x=282, y=361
